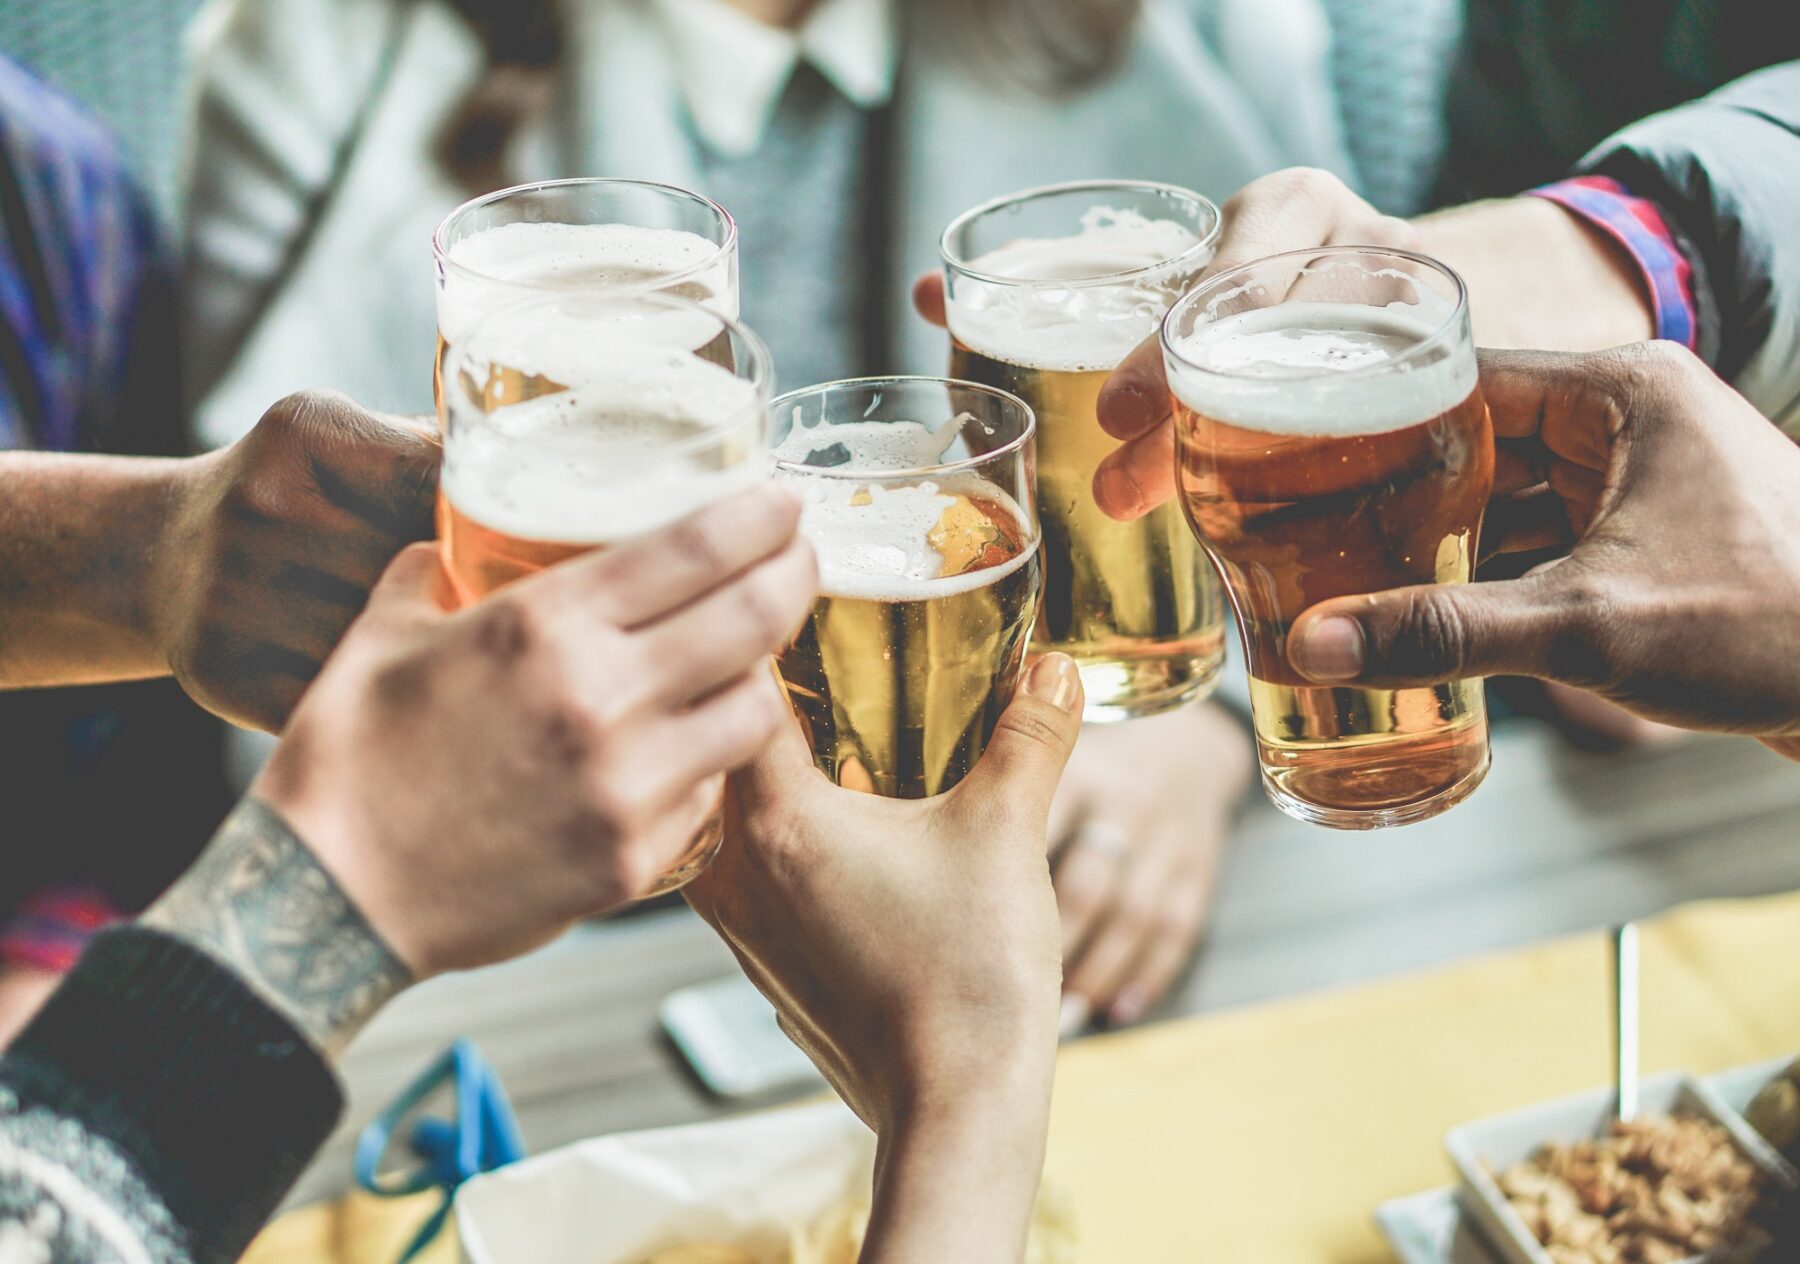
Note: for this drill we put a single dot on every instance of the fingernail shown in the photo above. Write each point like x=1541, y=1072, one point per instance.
x=1075, y=1014
x=1126, y=1009
x=1331, y=649
x=1054, y=679
x=1116, y=492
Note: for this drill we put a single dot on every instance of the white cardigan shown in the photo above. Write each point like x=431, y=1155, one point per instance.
x=310, y=265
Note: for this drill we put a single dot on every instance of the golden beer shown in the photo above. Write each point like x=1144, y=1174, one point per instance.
x=1325, y=449
x=1048, y=292
x=928, y=575
x=574, y=423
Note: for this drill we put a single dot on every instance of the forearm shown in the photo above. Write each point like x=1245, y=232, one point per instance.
x=1539, y=277
x=78, y=542
x=959, y=1182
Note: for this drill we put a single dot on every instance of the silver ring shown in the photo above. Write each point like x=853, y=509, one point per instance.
x=1103, y=838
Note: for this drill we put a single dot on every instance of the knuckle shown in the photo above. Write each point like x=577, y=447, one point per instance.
x=1430, y=637
x=507, y=628
x=694, y=544
x=616, y=801
x=568, y=735
x=1585, y=650
x=1034, y=722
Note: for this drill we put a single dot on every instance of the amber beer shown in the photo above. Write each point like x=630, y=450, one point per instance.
x=1327, y=447
x=589, y=235
x=916, y=495
x=582, y=420
x=1047, y=292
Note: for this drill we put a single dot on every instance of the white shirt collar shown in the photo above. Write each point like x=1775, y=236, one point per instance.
x=732, y=69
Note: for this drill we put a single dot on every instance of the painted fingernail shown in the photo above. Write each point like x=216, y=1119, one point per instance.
x=1054, y=679
x=1331, y=649
x=1126, y=1009
x=1075, y=1014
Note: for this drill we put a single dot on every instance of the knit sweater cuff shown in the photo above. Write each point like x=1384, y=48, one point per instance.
x=160, y=1049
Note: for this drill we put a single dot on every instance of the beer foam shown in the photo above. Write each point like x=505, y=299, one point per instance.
x=595, y=464
x=874, y=541
x=574, y=256
x=1075, y=328
x=1296, y=369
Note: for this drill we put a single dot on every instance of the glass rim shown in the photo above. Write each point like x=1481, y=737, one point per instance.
x=1018, y=442
x=954, y=262
x=440, y=250
x=1447, y=328
x=762, y=379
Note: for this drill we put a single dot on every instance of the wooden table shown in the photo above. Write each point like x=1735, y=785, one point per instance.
x=1554, y=842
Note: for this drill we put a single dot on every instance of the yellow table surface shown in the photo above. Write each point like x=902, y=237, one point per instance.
x=1269, y=1134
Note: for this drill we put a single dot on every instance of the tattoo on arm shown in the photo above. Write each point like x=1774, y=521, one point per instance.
x=259, y=901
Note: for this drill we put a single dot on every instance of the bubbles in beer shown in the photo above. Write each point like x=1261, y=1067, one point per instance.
x=643, y=437
x=1322, y=354
x=902, y=542
x=1076, y=327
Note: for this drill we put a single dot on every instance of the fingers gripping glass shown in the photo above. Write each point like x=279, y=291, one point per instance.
x=580, y=420
x=919, y=498
x=1332, y=440
x=1046, y=292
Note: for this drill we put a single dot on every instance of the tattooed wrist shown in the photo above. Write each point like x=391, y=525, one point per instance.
x=262, y=903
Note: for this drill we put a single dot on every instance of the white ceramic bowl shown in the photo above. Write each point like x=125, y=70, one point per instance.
x=1499, y=1142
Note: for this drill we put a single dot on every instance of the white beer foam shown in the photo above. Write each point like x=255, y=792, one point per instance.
x=1081, y=327
x=873, y=542
x=1293, y=369
x=572, y=256
x=593, y=465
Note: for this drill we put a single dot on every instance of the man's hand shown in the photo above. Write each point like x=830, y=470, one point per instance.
x=1680, y=599
x=478, y=781
x=912, y=949
x=270, y=548
x=1137, y=833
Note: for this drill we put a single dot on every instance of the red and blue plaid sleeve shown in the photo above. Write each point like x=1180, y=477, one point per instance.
x=1642, y=232
x=51, y=927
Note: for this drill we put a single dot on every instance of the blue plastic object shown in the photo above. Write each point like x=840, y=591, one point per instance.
x=483, y=1136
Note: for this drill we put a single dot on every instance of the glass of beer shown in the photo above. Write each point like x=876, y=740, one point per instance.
x=582, y=419
x=917, y=495
x=1332, y=440
x=1047, y=291
x=586, y=234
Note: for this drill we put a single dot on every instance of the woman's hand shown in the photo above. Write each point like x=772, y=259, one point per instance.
x=1137, y=833
x=912, y=949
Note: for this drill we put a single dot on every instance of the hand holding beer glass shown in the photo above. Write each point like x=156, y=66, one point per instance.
x=580, y=420
x=1332, y=440
x=1045, y=293
x=918, y=497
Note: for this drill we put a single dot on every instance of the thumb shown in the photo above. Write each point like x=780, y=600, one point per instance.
x=413, y=586
x=1535, y=626
x=928, y=298
x=1025, y=757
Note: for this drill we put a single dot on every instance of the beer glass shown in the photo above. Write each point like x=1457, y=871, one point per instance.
x=917, y=495
x=1332, y=439
x=582, y=419
x=587, y=234
x=1047, y=291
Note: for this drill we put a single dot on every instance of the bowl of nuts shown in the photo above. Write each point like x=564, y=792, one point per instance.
x=1686, y=1180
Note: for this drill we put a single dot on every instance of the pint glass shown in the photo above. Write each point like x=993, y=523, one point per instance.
x=1332, y=439
x=579, y=420
x=917, y=496
x=1047, y=291
x=588, y=234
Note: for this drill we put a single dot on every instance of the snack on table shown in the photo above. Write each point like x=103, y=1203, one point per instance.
x=1776, y=1111
x=1654, y=1191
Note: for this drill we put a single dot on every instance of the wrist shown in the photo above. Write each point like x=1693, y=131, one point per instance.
x=165, y=584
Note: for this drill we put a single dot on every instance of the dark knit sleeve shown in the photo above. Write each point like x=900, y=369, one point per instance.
x=157, y=1096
